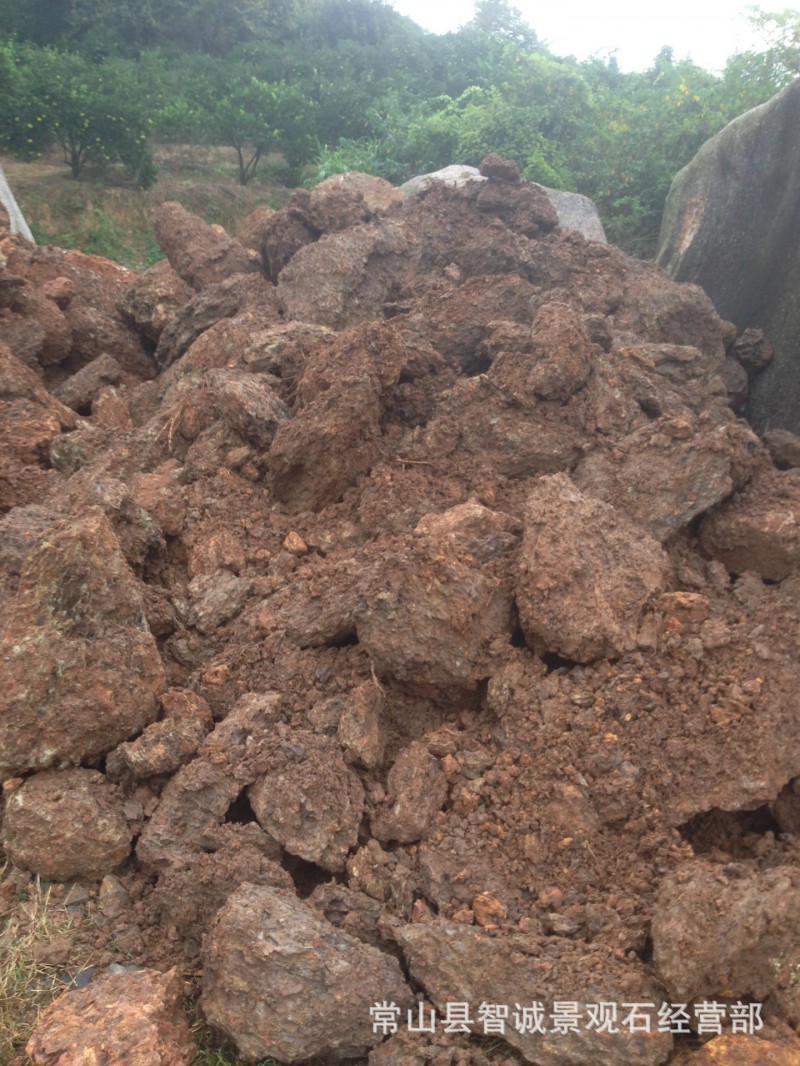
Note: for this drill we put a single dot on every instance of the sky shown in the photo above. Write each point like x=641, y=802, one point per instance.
x=707, y=31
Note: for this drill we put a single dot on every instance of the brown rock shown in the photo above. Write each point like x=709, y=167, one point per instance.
x=162, y=748
x=458, y=964
x=759, y=529
x=726, y=931
x=188, y=895
x=281, y=238
x=494, y=166
x=457, y=320
x=197, y=252
x=92, y=313
x=230, y=297
x=216, y=598
x=66, y=825
x=429, y=619
x=557, y=361
x=79, y=390
x=416, y=792
x=747, y=1051
x=332, y=439
x=473, y=528
x=251, y=229
x=668, y=472
x=587, y=574
x=361, y=730
x=309, y=800
x=77, y=615
x=344, y=278
x=154, y=299
x=784, y=447
x=162, y=495
x=315, y=1002
x=128, y=1019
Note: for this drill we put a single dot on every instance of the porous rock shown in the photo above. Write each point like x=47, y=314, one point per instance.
x=77, y=614
x=456, y=964
x=308, y=799
x=126, y=1019
x=281, y=982
x=344, y=278
x=759, y=529
x=154, y=299
x=429, y=620
x=587, y=574
x=66, y=825
x=668, y=472
x=332, y=438
x=726, y=931
x=416, y=791
x=199, y=253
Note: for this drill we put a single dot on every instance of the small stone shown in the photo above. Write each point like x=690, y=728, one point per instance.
x=488, y=909
x=295, y=544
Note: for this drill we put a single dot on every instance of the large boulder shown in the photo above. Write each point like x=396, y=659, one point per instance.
x=730, y=224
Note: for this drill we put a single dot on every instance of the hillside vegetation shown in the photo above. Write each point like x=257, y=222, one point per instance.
x=299, y=89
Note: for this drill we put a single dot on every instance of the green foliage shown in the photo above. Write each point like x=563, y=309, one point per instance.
x=322, y=86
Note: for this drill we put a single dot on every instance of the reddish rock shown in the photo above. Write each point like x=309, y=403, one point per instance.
x=232, y=296
x=524, y=207
x=251, y=229
x=456, y=964
x=188, y=895
x=587, y=574
x=77, y=615
x=759, y=529
x=162, y=748
x=127, y=1019
x=66, y=825
x=344, y=278
x=33, y=325
x=671, y=470
x=162, y=495
x=474, y=528
x=727, y=931
x=361, y=730
x=281, y=238
x=332, y=437
x=154, y=299
x=556, y=361
x=197, y=798
x=429, y=619
x=456, y=320
x=784, y=447
x=747, y=1051
x=199, y=253
x=416, y=791
x=82, y=388
x=308, y=799
x=92, y=314
x=315, y=1002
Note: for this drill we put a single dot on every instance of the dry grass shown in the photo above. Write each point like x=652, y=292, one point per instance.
x=30, y=923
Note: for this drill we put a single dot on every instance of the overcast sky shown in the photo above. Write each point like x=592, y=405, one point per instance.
x=707, y=31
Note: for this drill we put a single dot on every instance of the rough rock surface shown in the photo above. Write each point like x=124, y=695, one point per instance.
x=759, y=529
x=459, y=965
x=729, y=225
x=199, y=253
x=284, y=983
x=66, y=825
x=77, y=615
x=731, y=932
x=587, y=574
x=128, y=1019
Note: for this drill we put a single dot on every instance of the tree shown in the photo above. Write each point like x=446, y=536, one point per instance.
x=96, y=112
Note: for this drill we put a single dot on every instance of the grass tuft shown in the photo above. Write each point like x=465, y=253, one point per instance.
x=28, y=924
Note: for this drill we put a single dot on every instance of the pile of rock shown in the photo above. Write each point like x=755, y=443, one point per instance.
x=396, y=612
